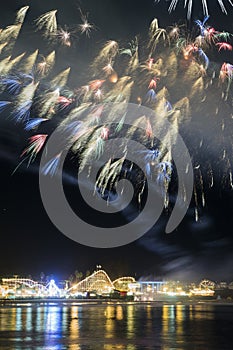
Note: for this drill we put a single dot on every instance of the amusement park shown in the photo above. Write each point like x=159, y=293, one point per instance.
x=98, y=285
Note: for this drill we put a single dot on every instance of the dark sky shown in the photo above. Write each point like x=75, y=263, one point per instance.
x=30, y=243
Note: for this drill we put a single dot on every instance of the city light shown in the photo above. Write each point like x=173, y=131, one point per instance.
x=99, y=285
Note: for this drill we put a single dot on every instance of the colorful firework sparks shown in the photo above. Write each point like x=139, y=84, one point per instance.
x=36, y=143
x=174, y=77
x=189, y=5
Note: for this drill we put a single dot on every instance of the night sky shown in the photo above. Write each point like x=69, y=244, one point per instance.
x=29, y=241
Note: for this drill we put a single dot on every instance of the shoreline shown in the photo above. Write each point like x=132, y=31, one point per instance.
x=97, y=302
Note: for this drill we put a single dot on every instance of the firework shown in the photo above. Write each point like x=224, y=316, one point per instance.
x=46, y=64
x=64, y=37
x=48, y=23
x=36, y=143
x=20, y=16
x=85, y=27
x=174, y=78
x=189, y=5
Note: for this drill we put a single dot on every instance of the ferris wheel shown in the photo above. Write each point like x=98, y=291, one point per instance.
x=206, y=284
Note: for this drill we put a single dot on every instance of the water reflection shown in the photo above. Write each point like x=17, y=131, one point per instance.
x=74, y=323
x=168, y=319
x=18, y=322
x=119, y=313
x=182, y=323
x=203, y=311
x=114, y=326
x=109, y=324
x=28, y=321
x=130, y=321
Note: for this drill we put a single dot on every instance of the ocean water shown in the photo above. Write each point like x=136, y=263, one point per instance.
x=200, y=326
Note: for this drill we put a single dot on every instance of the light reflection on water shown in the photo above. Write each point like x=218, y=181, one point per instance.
x=116, y=326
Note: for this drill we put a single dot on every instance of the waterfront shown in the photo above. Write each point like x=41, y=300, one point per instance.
x=99, y=285
x=130, y=326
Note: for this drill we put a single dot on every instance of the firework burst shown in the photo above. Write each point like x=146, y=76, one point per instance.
x=174, y=77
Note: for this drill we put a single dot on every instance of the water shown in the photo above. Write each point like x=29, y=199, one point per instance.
x=116, y=326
